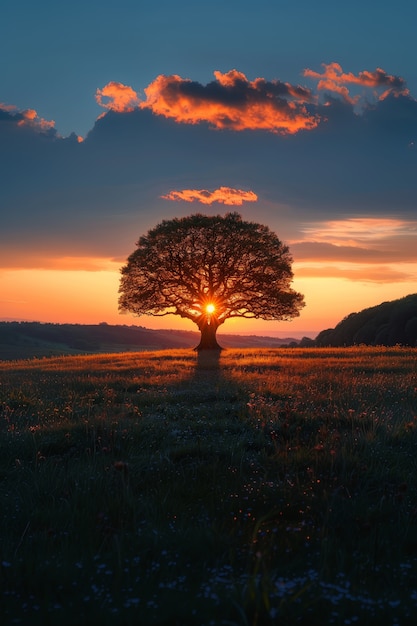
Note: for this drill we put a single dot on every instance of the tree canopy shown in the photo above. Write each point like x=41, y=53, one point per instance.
x=209, y=269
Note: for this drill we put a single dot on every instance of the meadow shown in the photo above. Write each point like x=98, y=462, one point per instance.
x=268, y=486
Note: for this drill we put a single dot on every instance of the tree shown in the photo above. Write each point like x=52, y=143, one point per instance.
x=209, y=269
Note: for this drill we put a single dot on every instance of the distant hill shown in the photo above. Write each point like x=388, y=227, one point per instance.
x=22, y=340
x=387, y=324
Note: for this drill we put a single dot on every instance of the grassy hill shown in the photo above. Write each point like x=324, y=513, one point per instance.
x=262, y=487
x=20, y=340
x=388, y=324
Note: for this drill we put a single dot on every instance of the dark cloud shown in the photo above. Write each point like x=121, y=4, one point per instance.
x=230, y=88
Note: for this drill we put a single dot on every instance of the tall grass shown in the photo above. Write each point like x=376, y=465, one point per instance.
x=263, y=487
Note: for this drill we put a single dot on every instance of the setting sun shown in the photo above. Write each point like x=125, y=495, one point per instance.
x=210, y=308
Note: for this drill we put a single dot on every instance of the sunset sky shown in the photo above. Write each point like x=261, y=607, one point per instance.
x=115, y=116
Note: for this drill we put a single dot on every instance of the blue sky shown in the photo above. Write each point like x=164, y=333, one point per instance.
x=309, y=107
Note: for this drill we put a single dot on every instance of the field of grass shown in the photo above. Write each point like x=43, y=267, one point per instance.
x=274, y=486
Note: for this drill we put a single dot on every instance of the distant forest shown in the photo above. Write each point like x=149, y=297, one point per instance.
x=388, y=324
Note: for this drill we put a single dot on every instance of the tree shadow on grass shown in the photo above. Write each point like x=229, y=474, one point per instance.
x=206, y=400
x=210, y=380
x=220, y=376
x=208, y=359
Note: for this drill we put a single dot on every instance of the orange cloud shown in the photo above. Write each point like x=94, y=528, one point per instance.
x=335, y=79
x=359, y=240
x=365, y=274
x=7, y=107
x=232, y=102
x=28, y=117
x=34, y=261
x=362, y=229
x=120, y=98
x=223, y=195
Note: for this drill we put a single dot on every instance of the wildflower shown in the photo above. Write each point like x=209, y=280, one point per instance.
x=121, y=466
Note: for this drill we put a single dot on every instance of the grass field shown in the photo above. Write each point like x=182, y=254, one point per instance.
x=165, y=488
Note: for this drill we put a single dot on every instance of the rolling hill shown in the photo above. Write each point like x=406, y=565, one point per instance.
x=21, y=340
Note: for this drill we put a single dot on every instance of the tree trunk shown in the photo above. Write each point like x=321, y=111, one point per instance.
x=208, y=339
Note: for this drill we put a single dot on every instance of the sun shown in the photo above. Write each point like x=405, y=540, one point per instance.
x=210, y=308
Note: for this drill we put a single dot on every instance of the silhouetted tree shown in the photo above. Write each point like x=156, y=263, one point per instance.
x=209, y=269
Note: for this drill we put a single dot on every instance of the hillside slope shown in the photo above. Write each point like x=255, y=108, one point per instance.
x=388, y=324
x=21, y=340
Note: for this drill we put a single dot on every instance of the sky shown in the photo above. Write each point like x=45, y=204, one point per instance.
x=116, y=116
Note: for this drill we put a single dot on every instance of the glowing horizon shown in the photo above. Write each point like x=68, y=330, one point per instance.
x=86, y=297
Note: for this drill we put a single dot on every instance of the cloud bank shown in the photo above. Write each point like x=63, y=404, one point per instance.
x=233, y=102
